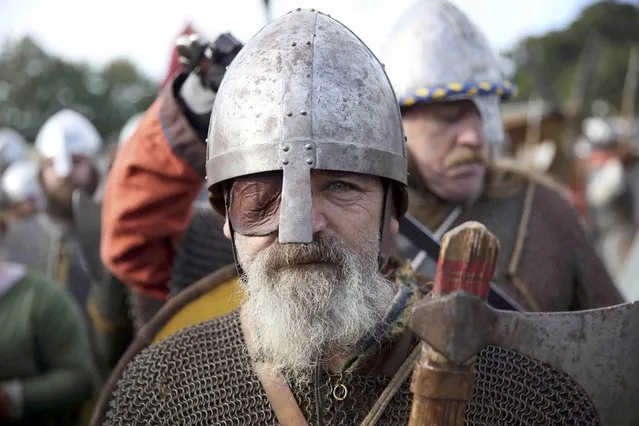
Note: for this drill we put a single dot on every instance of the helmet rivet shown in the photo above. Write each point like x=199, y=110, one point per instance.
x=312, y=10
x=290, y=113
x=285, y=148
x=308, y=43
x=309, y=161
x=308, y=147
x=285, y=162
x=405, y=139
x=383, y=65
x=293, y=44
x=303, y=112
x=299, y=9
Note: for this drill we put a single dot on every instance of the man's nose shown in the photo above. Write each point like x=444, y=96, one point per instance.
x=471, y=131
x=319, y=219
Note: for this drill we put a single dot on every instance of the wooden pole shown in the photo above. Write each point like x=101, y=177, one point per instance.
x=441, y=389
x=629, y=95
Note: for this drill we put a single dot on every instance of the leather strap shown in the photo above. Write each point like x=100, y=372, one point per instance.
x=281, y=397
x=278, y=392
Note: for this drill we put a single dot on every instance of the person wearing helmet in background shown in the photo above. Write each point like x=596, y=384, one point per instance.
x=612, y=190
x=155, y=237
x=47, y=373
x=49, y=242
x=66, y=145
x=13, y=147
x=69, y=146
x=21, y=187
x=449, y=84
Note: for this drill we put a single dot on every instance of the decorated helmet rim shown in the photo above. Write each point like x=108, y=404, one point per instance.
x=454, y=91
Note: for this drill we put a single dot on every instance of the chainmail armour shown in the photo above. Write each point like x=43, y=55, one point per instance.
x=203, y=248
x=202, y=375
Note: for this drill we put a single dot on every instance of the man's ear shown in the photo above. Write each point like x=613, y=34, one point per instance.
x=227, y=228
x=394, y=227
x=390, y=225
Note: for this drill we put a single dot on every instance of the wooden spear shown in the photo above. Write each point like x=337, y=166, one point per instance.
x=441, y=389
x=629, y=97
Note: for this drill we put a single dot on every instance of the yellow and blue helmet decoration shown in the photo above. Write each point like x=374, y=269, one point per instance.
x=435, y=53
x=456, y=91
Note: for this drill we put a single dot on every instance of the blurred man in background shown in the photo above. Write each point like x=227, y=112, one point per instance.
x=449, y=83
x=22, y=189
x=47, y=373
x=154, y=238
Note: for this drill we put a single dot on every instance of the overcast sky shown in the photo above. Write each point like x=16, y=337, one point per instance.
x=100, y=30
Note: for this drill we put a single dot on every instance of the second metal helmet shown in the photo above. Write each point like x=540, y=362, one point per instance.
x=13, y=147
x=436, y=53
x=64, y=134
x=305, y=93
x=20, y=183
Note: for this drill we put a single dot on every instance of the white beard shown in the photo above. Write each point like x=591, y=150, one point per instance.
x=299, y=313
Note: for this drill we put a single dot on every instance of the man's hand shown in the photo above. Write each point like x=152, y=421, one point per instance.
x=208, y=60
x=206, y=64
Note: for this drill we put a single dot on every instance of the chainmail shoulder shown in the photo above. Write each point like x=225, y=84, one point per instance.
x=202, y=375
x=514, y=389
x=203, y=248
x=199, y=376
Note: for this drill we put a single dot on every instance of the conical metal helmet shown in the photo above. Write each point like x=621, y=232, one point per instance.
x=305, y=93
x=64, y=134
x=20, y=183
x=13, y=147
x=436, y=53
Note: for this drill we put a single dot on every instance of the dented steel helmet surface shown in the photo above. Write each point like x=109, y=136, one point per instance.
x=305, y=93
x=435, y=53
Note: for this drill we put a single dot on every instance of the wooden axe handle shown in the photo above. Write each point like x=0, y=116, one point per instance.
x=441, y=389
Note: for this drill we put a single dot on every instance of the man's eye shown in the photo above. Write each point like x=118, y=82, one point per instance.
x=340, y=186
x=449, y=116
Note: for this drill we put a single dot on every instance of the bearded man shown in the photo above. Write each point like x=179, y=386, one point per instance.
x=311, y=186
x=449, y=83
x=612, y=191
